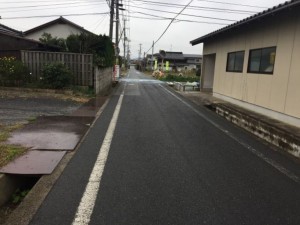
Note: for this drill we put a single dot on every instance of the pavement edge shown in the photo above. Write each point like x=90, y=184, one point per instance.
x=24, y=213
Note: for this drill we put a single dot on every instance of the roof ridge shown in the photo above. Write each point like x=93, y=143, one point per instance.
x=263, y=13
x=61, y=18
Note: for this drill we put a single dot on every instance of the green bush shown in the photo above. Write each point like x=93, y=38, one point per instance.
x=176, y=78
x=13, y=72
x=56, y=75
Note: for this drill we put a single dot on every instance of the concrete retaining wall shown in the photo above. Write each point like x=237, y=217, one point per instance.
x=277, y=135
x=102, y=80
x=8, y=185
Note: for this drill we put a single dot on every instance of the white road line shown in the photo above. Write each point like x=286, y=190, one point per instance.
x=87, y=203
x=271, y=162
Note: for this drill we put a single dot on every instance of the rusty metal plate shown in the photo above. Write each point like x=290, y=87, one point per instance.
x=52, y=133
x=34, y=162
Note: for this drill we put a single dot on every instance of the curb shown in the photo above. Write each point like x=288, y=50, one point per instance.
x=284, y=136
x=23, y=214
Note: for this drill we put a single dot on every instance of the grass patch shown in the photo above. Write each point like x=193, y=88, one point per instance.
x=32, y=119
x=83, y=91
x=9, y=152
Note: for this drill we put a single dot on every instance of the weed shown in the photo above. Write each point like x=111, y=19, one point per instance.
x=6, y=130
x=32, y=119
x=9, y=152
x=19, y=195
x=83, y=91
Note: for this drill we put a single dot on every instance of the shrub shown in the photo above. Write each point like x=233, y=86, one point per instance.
x=170, y=77
x=56, y=75
x=13, y=72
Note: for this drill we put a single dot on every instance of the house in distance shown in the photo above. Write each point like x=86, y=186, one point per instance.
x=60, y=28
x=174, y=61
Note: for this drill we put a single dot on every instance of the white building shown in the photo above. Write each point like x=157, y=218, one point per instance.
x=254, y=63
x=60, y=28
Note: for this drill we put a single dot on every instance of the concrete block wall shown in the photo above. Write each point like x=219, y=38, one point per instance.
x=102, y=80
x=274, y=132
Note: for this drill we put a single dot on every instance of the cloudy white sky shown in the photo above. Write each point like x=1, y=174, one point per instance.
x=146, y=19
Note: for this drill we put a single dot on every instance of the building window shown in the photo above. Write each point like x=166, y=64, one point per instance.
x=235, y=61
x=262, y=60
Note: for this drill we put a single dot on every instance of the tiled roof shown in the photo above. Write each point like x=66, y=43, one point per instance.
x=265, y=13
x=174, y=55
x=7, y=30
x=192, y=56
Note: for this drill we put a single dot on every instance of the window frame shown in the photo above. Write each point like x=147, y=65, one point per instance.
x=235, y=71
x=261, y=50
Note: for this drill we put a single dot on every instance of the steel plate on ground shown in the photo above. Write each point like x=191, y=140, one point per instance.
x=34, y=162
x=52, y=133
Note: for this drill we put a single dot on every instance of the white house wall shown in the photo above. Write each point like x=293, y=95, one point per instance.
x=278, y=92
x=56, y=30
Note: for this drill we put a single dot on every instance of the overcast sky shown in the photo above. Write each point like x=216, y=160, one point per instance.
x=145, y=18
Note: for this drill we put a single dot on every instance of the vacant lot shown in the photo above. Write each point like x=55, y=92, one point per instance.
x=20, y=107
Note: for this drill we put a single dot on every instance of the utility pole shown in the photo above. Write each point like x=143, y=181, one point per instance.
x=152, y=56
x=117, y=26
x=124, y=43
x=111, y=25
x=140, y=52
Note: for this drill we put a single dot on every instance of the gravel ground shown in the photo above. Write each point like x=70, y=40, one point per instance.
x=19, y=109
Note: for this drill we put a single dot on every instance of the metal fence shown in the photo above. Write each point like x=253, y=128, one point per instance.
x=81, y=65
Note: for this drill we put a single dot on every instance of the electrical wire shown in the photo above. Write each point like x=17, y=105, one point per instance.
x=178, y=20
x=169, y=25
x=228, y=3
x=47, y=1
x=58, y=7
x=204, y=9
x=100, y=22
x=184, y=14
x=192, y=7
x=36, y=6
x=46, y=16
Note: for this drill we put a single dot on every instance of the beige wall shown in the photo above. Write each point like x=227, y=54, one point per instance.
x=279, y=92
x=56, y=30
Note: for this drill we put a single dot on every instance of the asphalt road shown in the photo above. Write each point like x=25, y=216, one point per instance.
x=171, y=162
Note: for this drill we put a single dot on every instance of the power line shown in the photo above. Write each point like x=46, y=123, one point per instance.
x=45, y=16
x=100, y=21
x=34, y=1
x=58, y=7
x=169, y=25
x=198, y=8
x=177, y=20
x=227, y=3
x=35, y=6
x=184, y=14
x=192, y=7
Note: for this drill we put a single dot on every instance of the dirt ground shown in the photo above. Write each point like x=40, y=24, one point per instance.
x=17, y=107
